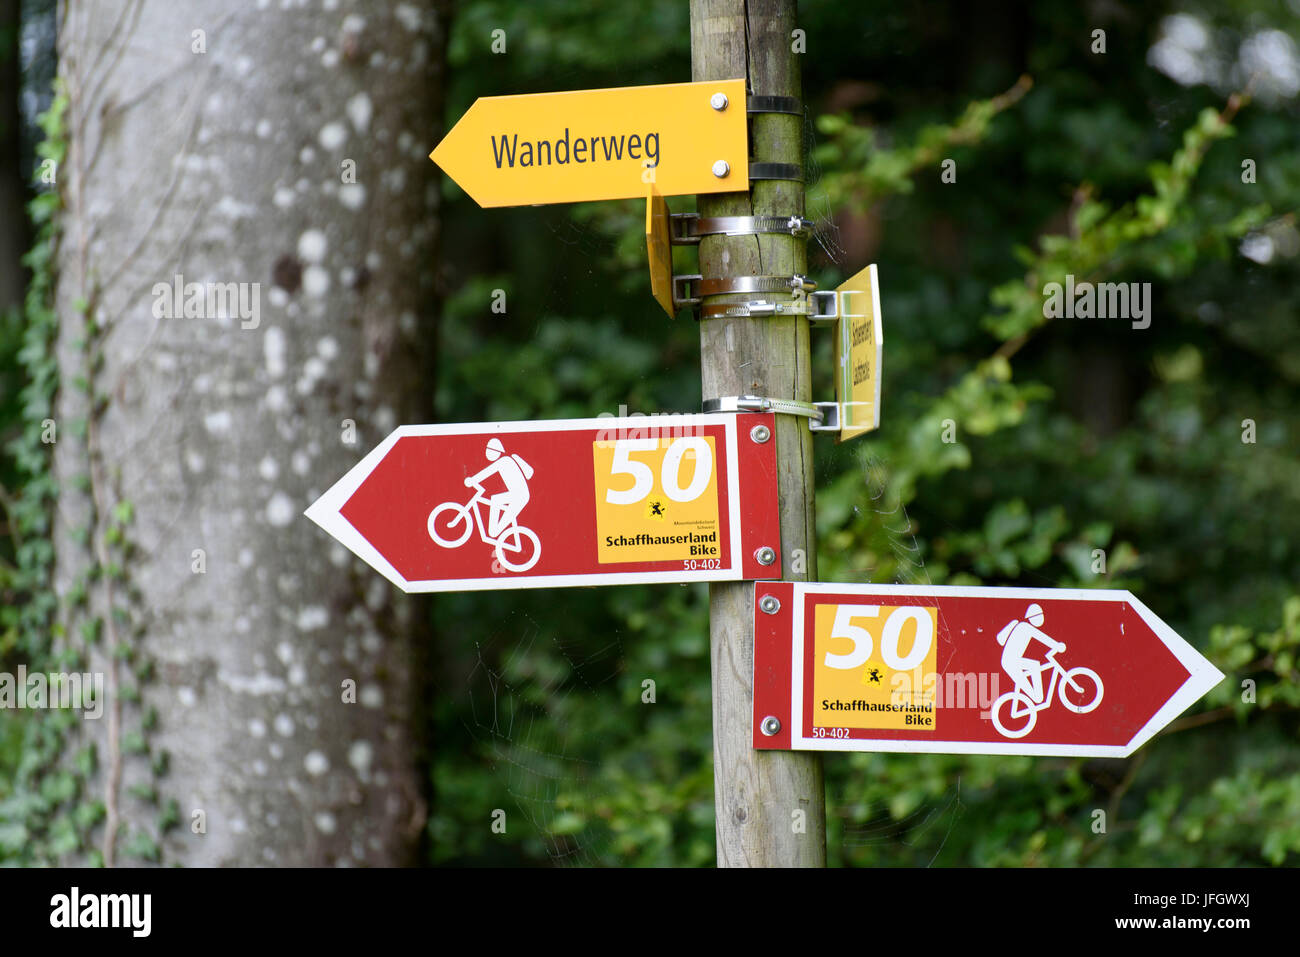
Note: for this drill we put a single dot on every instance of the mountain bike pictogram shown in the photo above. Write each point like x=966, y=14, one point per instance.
x=1078, y=689
x=517, y=548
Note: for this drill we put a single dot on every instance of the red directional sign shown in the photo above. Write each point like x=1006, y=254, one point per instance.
x=965, y=670
x=667, y=498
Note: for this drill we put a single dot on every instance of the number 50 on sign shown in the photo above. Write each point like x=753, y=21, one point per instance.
x=657, y=499
x=874, y=665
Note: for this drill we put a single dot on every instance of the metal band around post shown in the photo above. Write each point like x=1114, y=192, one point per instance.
x=751, y=309
x=689, y=228
x=821, y=416
x=758, y=403
x=749, y=284
x=811, y=306
x=790, y=171
x=773, y=104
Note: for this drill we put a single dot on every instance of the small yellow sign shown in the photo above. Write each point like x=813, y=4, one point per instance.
x=859, y=348
x=659, y=252
x=874, y=666
x=600, y=144
x=657, y=500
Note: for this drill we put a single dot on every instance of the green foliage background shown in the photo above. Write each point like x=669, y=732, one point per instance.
x=1071, y=435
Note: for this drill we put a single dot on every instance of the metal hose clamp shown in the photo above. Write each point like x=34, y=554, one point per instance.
x=689, y=228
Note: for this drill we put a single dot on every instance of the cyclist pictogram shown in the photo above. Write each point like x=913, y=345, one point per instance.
x=1016, y=712
x=517, y=548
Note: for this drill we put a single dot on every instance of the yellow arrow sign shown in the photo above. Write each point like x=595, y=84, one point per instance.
x=859, y=347
x=659, y=252
x=618, y=143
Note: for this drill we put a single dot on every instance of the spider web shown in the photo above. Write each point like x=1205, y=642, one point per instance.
x=825, y=231
x=882, y=828
x=517, y=711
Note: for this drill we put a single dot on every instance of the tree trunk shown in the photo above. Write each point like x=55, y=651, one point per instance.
x=217, y=143
x=13, y=236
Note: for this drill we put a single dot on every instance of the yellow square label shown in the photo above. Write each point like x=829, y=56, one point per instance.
x=874, y=666
x=858, y=352
x=657, y=500
x=659, y=252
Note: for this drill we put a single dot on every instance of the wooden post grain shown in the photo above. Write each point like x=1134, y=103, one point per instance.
x=758, y=794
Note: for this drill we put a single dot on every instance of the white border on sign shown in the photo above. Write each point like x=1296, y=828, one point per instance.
x=326, y=510
x=880, y=342
x=733, y=492
x=1202, y=676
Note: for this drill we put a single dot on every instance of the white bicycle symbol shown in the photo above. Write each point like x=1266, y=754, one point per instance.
x=449, y=515
x=1023, y=706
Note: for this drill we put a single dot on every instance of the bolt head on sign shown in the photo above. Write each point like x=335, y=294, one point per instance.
x=599, y=144
x=490, y=505
x=960, y=670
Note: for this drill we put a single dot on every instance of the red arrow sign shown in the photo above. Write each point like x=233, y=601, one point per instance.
x=966, y=670
x=567, y=502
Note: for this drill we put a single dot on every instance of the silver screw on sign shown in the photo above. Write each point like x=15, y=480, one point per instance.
x=718, y=101
x=760, y=433
x=721, y=168
x=771, y=725
x=769, y=604
x=765, y=555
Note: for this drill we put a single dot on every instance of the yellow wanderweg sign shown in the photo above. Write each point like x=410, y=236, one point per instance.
x=618, y=143
x=859, y=347
x=659, y=252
